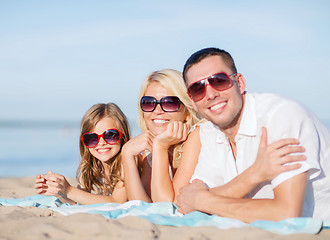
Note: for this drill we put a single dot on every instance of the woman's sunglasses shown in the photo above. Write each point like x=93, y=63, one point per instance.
x=168, y=104
x=111, y=136
x=220, y=81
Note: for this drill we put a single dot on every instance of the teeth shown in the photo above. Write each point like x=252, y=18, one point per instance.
x=103, y=150
x=159, y=121
x=217, y=106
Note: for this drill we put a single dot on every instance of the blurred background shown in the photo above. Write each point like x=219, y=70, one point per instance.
x=58, y=58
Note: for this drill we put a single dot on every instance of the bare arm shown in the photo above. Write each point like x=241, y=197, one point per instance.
x=161, y=183
x=133, y=183
x=58, y=186
x=287, y=203
x=80, y=196
x=271, y=161
x=146, y=177
x=188, y=162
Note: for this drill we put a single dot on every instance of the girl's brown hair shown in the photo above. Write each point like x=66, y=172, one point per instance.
x=90, y=173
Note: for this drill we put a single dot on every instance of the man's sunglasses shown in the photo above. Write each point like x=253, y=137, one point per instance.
x=168, y=104
x=220, y=81
x=110, y=136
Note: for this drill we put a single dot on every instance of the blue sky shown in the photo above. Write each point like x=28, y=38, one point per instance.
x=58, y=58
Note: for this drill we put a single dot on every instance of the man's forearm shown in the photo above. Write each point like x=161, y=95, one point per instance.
x=287, y=203
x=240, y=186
x=246, y=210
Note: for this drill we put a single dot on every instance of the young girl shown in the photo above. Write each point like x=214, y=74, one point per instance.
x=104, y=130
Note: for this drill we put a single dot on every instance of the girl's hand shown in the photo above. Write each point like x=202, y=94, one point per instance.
x=272, y=159
x=138, y=144
x=57, y=184
x=175, y=132
x=40, y=184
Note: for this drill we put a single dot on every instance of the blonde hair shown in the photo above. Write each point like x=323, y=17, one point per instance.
x=173, y=82
x=90, y=173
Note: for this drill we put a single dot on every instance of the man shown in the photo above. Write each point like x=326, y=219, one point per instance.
x=230, y=141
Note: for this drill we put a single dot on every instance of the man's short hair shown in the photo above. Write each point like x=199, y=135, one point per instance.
x=208, y=52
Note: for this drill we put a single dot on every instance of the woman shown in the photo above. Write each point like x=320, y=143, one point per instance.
x=165, y=117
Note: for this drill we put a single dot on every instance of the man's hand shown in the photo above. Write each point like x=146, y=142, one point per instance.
x=187, y=200
x=272, y=159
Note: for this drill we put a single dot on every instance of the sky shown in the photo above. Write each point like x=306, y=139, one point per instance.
x=58, y=58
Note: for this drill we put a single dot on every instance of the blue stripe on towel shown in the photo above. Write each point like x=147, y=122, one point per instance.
x=164, y=213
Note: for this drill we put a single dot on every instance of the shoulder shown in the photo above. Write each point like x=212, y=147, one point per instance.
x=205, y=128
x=208, y=126
x=284, y=117
x=208, y=132
x=272, y=106
x=272, y=102
x=193, y=135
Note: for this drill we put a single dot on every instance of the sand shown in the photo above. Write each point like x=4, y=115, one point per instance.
x=38, y=223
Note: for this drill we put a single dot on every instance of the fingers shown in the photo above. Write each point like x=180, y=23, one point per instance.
x=181, y=131
x=291, y=158
x=40, y=180
x=146, y=139
x=284, y=142
x=41, y=187
x=55, y=178
x=197, y=181
x=185, y=131
x=290, y=167
x=289, y=154
x=40, y=177
x=263, y=138
x=50, y=184
x=290, y=149
x=176, y=132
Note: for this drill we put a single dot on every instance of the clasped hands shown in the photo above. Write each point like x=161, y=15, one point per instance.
x=52, y=184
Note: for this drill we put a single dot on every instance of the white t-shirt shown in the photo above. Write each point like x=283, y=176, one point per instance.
x=283, y=118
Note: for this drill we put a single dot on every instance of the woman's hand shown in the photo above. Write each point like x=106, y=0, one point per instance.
x=272, y=159
x=175, y=132
x=136, y=145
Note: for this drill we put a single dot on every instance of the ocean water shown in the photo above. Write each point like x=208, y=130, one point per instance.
x=28, y=151
x=36, y=147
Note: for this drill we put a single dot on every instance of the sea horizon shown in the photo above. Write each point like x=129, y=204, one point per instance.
x=34, y=147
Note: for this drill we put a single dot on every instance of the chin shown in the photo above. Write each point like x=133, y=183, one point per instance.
x=158, y=130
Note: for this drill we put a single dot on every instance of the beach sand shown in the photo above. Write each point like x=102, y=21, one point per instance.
x=38, y=223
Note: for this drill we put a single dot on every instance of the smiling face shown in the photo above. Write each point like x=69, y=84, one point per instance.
x=223, y=108
x=103, y=150
x=157, y=120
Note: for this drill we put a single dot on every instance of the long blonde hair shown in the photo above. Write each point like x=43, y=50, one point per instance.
x=173, y=82
x=90, y=173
